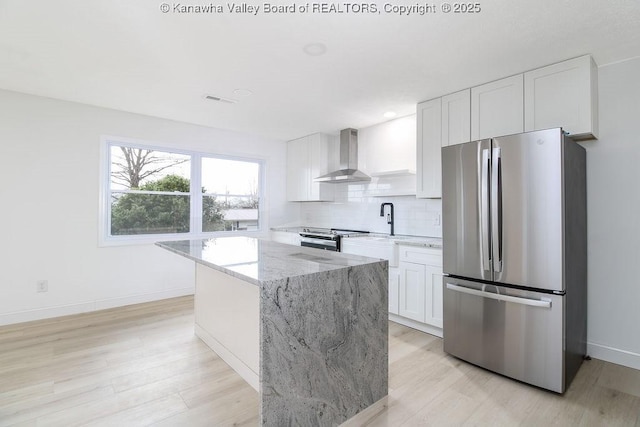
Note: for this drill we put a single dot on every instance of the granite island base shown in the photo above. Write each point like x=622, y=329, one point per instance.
x=307, y=329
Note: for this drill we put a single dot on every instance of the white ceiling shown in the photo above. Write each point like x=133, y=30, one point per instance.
x=130, y=56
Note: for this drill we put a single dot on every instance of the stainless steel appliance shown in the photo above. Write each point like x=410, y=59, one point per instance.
x=325, y=238
x=348, y=170
x=515, y=255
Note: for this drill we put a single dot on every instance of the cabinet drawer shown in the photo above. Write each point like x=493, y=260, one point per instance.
x=420, y=255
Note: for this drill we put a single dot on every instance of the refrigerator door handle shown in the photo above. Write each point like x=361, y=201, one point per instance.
x=499, y=297
x=496, y=208
x=484, y=209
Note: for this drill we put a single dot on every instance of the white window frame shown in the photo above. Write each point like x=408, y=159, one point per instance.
x=195, y=226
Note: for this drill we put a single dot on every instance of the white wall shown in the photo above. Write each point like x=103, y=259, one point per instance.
x=613, y=190
x=49, y=162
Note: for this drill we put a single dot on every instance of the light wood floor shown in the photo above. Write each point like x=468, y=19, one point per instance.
x=141, y=365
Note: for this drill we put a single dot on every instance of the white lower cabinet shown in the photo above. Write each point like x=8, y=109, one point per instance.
x=433, y=295
x=420, y=288
x=412, y=291
x=415, y=280
x=383, y=249
x=394, y=290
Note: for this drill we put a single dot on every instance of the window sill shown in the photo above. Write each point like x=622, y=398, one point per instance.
x=152, y=239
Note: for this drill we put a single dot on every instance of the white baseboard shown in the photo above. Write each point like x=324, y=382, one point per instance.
x=416, y=325
x=614, y=355
x=84, y=307
x=251, y=377
x=138, y=299
x=597, y=351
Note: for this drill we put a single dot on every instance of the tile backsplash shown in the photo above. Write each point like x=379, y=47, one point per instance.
x=357, y=206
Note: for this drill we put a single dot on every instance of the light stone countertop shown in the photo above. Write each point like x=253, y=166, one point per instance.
x=424, y=241
x=428, y=242
x=290, y=229
x=257, y=261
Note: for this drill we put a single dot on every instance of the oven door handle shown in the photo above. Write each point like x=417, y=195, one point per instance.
x=318, y=246
x=314, y=236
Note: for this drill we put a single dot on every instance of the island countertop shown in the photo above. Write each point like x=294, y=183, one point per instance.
x=257, y=261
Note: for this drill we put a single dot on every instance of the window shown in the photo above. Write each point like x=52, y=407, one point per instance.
x=152, y=193
x=237, y=198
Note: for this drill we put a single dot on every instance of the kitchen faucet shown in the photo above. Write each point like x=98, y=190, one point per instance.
x=389, y=215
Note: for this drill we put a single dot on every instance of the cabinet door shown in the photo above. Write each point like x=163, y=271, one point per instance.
x=394, y=289
x=308, y=158
x=318, y=165
x=563, y=95
x=412, y=291
x=433, y=289
x=297, y=170
x=388, y=147
x=497, y=108
x=428, y=168
x=456, y=118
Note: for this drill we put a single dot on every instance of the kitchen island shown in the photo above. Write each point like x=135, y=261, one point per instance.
x=306, y=328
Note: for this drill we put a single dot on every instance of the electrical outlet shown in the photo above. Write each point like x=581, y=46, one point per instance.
x=42, y=286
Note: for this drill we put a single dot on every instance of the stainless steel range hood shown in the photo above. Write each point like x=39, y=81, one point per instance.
x=348, y=171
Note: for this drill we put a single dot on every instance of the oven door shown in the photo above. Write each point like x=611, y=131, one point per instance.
x=319, y=243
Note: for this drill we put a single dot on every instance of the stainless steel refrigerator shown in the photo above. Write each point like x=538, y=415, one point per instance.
x=515, y=255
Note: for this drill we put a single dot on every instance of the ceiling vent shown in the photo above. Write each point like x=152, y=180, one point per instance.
x=220, y=99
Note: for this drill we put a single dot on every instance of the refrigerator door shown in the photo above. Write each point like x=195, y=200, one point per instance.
x=510, y=331
x=466, y=172
x=527, y=209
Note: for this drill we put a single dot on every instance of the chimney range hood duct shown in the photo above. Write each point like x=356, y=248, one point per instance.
x=348, y=171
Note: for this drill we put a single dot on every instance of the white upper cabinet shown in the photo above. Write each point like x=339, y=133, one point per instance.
x=308, y=158
x=428, y=168
x=440, y=122
x=497, y=108
x=389, y=147
x=563, y=95
x=560, y=95
x=456, y=117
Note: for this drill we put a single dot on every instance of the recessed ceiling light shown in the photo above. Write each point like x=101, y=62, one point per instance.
x=315, y=49
x=390, y=114
x=242, y=92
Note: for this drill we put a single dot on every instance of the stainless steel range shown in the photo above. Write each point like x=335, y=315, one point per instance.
x=326, y=238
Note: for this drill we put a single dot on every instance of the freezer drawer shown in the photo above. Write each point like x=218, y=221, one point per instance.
x=516, y=333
